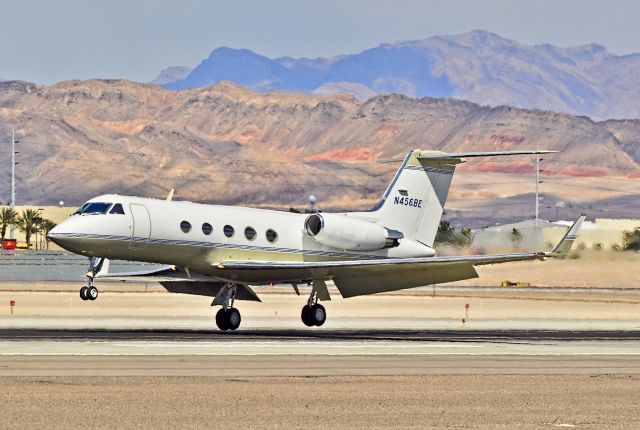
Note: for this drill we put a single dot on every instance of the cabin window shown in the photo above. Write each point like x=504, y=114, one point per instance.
x=250, y=233
x=206, y=228
x=185, y=226
x=228, y=230
x=272, y=236
x=117, y=209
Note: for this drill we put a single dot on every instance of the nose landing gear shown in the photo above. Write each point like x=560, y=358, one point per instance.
x=90, y=292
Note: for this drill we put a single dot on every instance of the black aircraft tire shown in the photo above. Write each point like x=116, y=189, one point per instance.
x=305, y=315
x=92, y=293
x=318, y=314
x=83, y=293
x=221, y=320
x=233, y=319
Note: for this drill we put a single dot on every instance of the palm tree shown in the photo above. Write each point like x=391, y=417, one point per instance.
x=7, y=217
x=46, y=225
x=516, y=237
x=27, y=222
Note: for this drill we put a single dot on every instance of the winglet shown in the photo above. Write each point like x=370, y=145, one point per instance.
x=564, y=246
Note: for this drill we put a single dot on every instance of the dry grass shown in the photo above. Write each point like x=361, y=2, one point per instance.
x=434, y=401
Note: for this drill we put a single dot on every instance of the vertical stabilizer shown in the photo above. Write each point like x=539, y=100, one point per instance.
x=414, y=200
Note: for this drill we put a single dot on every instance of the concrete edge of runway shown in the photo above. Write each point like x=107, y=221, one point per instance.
x=226, y=366
x=436, y=335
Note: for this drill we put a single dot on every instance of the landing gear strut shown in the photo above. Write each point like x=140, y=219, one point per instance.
x=90, y=292
x=228, y=317
x=313, y=313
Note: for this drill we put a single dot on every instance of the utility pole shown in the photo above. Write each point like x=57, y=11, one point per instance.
x=537, y=213
x=13, y=177
x=537, y=205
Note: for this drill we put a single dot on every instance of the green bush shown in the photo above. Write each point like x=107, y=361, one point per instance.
x=631, y=240
x=448, y=235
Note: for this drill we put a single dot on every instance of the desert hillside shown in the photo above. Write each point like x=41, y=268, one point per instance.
x=227, y=144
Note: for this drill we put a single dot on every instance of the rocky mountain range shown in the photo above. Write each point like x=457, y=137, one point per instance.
x=479, y=66
x=172, y=74
x=228, y=144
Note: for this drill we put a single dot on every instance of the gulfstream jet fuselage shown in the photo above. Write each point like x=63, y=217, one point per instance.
x=221, y=251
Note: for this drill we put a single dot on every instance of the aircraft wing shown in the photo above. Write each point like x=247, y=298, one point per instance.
x=360, y=277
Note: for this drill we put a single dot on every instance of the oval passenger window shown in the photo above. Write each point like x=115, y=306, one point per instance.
x=228, y=230
x=272, y=236
x=249, y=233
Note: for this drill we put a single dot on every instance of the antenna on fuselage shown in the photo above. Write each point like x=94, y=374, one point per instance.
x=170, y=196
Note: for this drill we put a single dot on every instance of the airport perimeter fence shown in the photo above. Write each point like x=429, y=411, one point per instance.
x=22, y=265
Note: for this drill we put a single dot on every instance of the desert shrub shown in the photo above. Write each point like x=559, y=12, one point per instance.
x=574, y=255
x=631, y=240
x=447, y=235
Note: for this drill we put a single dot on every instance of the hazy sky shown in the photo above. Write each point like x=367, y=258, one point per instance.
x=49, y=41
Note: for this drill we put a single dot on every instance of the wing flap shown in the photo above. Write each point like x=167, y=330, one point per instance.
x=370, y=283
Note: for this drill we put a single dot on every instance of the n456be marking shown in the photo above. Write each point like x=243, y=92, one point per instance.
x=406, y=201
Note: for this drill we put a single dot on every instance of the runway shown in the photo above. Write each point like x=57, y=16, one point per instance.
x=292, y=335
x=315, y=352
x=393, y=360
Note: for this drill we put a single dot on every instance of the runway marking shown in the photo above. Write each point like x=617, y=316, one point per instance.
x=346, y=354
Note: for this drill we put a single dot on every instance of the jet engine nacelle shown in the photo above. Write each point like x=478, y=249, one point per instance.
x=350, y=234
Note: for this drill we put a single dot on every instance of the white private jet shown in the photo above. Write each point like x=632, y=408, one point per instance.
x=222, y=251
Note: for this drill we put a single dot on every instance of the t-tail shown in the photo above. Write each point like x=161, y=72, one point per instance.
x=414, y=200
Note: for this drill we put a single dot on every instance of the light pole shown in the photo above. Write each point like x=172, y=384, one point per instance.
x=13, y=178
x=538, y=197
x=312, y=204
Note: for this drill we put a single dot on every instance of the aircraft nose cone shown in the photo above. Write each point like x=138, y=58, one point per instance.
x=52, y=233
x=60, y=235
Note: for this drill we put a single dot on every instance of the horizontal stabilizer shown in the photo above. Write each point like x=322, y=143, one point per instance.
x=436, y=156
x=459, y=157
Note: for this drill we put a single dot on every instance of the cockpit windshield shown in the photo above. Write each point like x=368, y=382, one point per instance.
x=80, y=209
x=93, y=208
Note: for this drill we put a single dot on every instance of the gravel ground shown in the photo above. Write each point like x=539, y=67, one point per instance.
x=430, y=401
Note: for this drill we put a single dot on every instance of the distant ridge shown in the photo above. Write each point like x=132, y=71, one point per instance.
x=478, y=66
x=172, y=74
x=228, y=144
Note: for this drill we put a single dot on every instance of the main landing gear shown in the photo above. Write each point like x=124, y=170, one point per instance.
x=90, y=292
x=228, y=317
x=313, y=313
